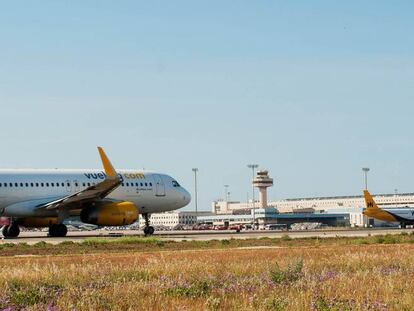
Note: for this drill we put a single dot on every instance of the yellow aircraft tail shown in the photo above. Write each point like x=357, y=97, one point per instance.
x=109, y=169
x=369, y=201
x=372, y=209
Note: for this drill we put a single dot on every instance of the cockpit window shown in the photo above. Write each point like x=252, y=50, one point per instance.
x=175, y=183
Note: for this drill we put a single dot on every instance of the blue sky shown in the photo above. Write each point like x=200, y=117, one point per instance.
x=311, y=90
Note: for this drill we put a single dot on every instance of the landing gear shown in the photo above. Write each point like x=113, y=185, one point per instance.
x=58, y=230
x=403, y=225
x=148, y=230
x=11, y=231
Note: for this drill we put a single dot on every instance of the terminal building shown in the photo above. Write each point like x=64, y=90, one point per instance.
x=318, y=209
x=262, y=214
x=263, y=217
x=318, y=203
x=175, y=219
x=331, y=211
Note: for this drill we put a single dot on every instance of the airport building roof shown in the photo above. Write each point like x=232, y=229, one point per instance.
x=270, y=215
x=319, y=203
x=349, y=197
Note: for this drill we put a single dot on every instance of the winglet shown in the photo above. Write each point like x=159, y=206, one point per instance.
x=109, y=169
x=369, y=201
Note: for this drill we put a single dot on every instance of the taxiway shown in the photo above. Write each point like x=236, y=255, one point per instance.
x=31, y=237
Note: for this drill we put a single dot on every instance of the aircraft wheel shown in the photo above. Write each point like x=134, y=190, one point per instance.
x=59, y=230
x=11, y=231
x=62, y=230
x=52, y=230
x=4, y=231
x=149, y=230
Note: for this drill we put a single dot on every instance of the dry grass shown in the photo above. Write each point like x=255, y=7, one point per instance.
x=328, y=277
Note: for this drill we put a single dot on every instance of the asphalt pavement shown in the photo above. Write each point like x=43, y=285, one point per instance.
x=31, y=237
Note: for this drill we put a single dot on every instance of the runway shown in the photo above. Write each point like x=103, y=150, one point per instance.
x=31, y=237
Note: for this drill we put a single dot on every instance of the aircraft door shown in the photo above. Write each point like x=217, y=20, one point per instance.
x=159, y=186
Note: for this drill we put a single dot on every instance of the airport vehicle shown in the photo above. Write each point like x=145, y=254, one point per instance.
x=46, y=198
x=276, y=227
x=220, y=227
x=404, y=216
x=235, y=227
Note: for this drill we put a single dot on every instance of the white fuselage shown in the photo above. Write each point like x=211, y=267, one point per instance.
x=150, y=192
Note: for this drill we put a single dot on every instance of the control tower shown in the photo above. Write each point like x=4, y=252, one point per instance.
x=263, y=181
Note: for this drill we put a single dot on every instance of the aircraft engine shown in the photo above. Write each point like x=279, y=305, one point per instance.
x=110, y=214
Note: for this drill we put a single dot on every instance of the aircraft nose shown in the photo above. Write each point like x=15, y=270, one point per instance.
x=186, y=197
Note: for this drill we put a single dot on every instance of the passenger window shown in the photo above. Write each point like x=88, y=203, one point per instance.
x=27, y=184
x=37, y=184
x=52, y=184
x=89, y=184
x=68, y=184
x=21, y=184
x=142, y=185
x=84, y=184
x=42, y=184
x=76, y=184
x=136, y=184
x=127, y=184
x=31, y=184
x=5, y=184
x=10, y=184
x=47, y=184
x=16, y=184
x=63, y=184
x=150, y=184
x=57, y=184
x=122, y=184
x=146, y=185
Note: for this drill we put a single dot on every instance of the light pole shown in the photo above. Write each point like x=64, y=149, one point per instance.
x=366, y=170
x=396, y=194
x=226, y=193
x=195, y=170
x=253, y=167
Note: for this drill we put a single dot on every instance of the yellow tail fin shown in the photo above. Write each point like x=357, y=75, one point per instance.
x=374, y=211
x=369, y=201
x=109, y=169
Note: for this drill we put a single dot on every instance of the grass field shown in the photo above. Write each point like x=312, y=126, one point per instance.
x=334, y=274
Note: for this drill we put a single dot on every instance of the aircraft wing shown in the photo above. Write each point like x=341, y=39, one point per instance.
x=95, y=192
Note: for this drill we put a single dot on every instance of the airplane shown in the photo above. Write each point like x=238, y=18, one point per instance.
x=45, y=198
x=404, y=216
